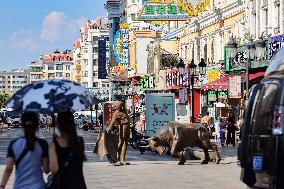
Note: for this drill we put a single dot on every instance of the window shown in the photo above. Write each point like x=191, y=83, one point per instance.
x=50, y=75
x=58, y=74
x=95, y=74
x=68, y=67
x=85, y=62
x=192, y=53
x=205, y=52
x=85, y=74
x=185, y=53
x=107, y=38
x=262, y=120
x=95, y=62
x=95, y=49
x=85, y=50
x=59, y=67
x=95, y=84
x=95, y=38
x=50, y=67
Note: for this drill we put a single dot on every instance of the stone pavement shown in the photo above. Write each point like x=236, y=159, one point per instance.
x=146, y=170
x=161, y=174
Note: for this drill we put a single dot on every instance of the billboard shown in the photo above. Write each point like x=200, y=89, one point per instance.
x=102, y=71
x=162, y=11
x=160, y=109
x=121, y=46
x=182, y=113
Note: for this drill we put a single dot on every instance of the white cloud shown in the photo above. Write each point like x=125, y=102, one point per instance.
x=73, y=27
x=2, y=43
x=23, y=39
x=53, y=25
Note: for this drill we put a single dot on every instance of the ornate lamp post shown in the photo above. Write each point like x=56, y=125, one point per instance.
x=232, y=50
x=250, y=56
x=192, y=72
x=260, y=49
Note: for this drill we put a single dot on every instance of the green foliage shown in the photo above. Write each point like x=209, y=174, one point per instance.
x=3, y=98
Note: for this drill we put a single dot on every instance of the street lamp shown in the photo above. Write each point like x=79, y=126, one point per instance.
x=259, y=48
x=250, y=56
x=202, y=67
x=232, y=50
x=192, y=73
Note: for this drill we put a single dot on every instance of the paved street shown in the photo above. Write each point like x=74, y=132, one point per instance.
x=146, y=170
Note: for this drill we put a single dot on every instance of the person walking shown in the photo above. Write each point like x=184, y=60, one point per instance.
x=30, y=156
x=66, y=154
x=231, y=129
x=222, y=131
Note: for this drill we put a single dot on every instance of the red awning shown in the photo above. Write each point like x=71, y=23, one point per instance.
x=219, y=84
x=222, y=83
x=255, y=75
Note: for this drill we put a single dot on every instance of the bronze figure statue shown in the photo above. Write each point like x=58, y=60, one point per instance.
x=121, y=119
x=176, y=136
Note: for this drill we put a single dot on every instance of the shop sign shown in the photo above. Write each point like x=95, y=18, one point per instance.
x=212, y=96
x=183, y=96
x=213, y=75
x=176, y=78
x=147, y=82
x=162, y=11
x=121, y=46
x=108, y=110
x=275, y=43
x=193, y=7
x=222, y=95
x=235, y=87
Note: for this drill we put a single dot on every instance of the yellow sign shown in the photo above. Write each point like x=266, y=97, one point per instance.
x=213, y=75
x=162, y=1
x=124, y=26
x=193, y=7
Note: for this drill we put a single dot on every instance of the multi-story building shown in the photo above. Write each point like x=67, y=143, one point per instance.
x=36, y=70
x=265, y=17
x=13, y=80
x=94, y=54
x=58, y=65
x=206, y=35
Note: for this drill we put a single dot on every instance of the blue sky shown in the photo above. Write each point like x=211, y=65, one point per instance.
x=30, y=28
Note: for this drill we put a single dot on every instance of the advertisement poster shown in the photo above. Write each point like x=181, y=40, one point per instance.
x=235, y=87
x=182, y=113
x=107, y=112
x=160, y=109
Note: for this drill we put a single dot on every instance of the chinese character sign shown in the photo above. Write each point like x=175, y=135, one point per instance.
x=160, y=109
x=235, y=90
x=162, y=11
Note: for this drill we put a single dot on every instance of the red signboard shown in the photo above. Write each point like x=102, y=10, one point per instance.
x=108, y=111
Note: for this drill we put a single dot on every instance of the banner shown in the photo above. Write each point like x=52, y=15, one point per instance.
x=235, y=87
x=160, y=109
x=121, y=46
x=102, y=71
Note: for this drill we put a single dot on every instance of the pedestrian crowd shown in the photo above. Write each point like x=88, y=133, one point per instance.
x=31, y=156
x=224, y=130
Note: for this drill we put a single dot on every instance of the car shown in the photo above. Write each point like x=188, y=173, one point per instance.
x=261, y=151
x=13, y=120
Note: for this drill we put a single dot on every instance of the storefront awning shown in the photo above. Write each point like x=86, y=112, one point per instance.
x=222, y=83
x=219, y=84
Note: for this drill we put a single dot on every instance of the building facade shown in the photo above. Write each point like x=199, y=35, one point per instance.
x=13, y=80
x=265, y=17
x=94, y=53
x=36, y=71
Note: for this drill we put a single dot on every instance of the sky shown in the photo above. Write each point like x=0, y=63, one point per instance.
x=30, y=28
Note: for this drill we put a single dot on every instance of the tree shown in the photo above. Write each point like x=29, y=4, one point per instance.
x=3, y=98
